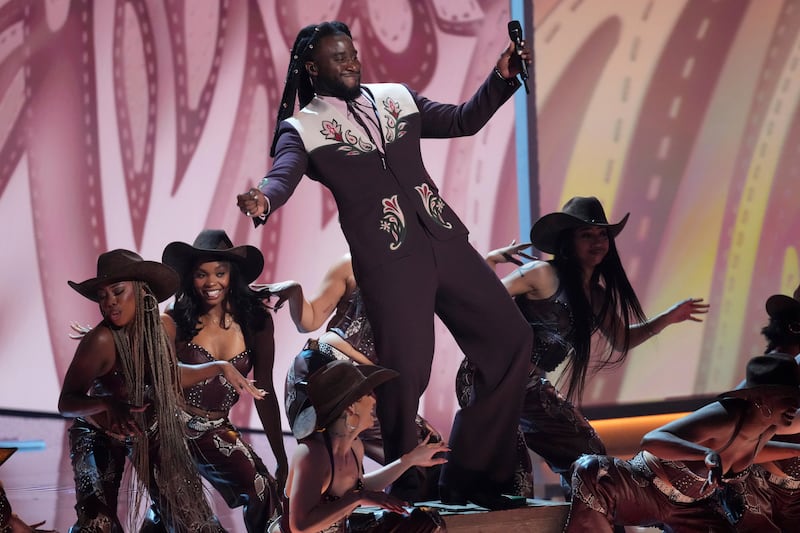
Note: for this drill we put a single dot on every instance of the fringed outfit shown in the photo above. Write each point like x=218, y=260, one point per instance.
x=98, y=462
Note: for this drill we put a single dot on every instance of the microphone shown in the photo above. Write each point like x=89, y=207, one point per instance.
x=515, y=34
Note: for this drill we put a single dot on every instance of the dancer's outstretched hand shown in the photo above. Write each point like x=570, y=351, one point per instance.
x=687, y=310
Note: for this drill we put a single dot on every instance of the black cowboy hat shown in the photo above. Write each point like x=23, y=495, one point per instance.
x=578, y=212
x=783, y=308
x=775, y=374
x=124, y=265
x=332, y=389
x=214, y=245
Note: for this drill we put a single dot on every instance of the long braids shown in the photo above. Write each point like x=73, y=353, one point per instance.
x=148, y=361
x=298, y=82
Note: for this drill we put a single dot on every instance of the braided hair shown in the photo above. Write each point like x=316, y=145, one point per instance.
x=298, y=82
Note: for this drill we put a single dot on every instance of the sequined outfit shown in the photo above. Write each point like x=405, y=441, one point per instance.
x=222, y=457
x=551, y=425
x=98, y=463
x=784, y=492
x=5, y=512
x=350, y=323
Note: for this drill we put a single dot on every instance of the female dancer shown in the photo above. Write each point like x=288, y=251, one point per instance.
x=216, y=317
x=582, y=290
x=696, y=473
x=783, y=339
x=327, y=480
x=348, y=336
x=127, y=365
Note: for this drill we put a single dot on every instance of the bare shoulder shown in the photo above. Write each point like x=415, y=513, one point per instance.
x=99, y=340
x=311, y=455
x=96, y=353
x=343, y=267
x=711, y=419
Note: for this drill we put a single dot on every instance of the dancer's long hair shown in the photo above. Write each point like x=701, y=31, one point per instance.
x=245, y=307
x=616, y=296
x=147, y=358
x=298, y=82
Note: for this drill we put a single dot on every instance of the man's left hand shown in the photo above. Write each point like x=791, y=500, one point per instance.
x=510, y=62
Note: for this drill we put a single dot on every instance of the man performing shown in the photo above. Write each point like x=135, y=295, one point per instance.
x=411, y=256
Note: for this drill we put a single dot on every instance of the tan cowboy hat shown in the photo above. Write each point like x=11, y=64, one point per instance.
x=578, y=212
x=124, y=265
x=775, y=374
x=214, y=245
x=333, y=388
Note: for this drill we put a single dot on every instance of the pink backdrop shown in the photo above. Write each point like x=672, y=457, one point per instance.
x=135, y=123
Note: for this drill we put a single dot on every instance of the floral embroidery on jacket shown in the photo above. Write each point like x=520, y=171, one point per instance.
x=395, y=128
x=348, y=142
x=433, y=204
x=393, y=221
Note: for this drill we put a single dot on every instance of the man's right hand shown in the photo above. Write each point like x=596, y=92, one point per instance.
x=253, y=203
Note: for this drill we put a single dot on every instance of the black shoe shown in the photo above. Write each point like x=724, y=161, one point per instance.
x=451, y=496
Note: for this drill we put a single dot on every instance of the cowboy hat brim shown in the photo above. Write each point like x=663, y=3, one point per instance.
x=308, y=421
x=546, y=231
x=161, y=279
x=182, y=257
x=779, y=305
x=773, y=390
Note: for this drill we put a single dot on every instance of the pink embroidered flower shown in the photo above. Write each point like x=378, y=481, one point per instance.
x=395, y=126
x=348, y=142
x=392, y=107
x=331, y=130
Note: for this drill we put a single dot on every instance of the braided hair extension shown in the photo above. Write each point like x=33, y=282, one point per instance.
x=148, y=362
x=298, y=82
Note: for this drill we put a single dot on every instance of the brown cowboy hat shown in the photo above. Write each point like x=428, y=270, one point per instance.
x=124, y=265
x=332, y=389
x=579, y=211
x=214, y=245
x=775, y=374
x=785, y=309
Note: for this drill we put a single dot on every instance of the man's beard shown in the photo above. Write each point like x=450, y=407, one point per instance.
x=338, y=89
